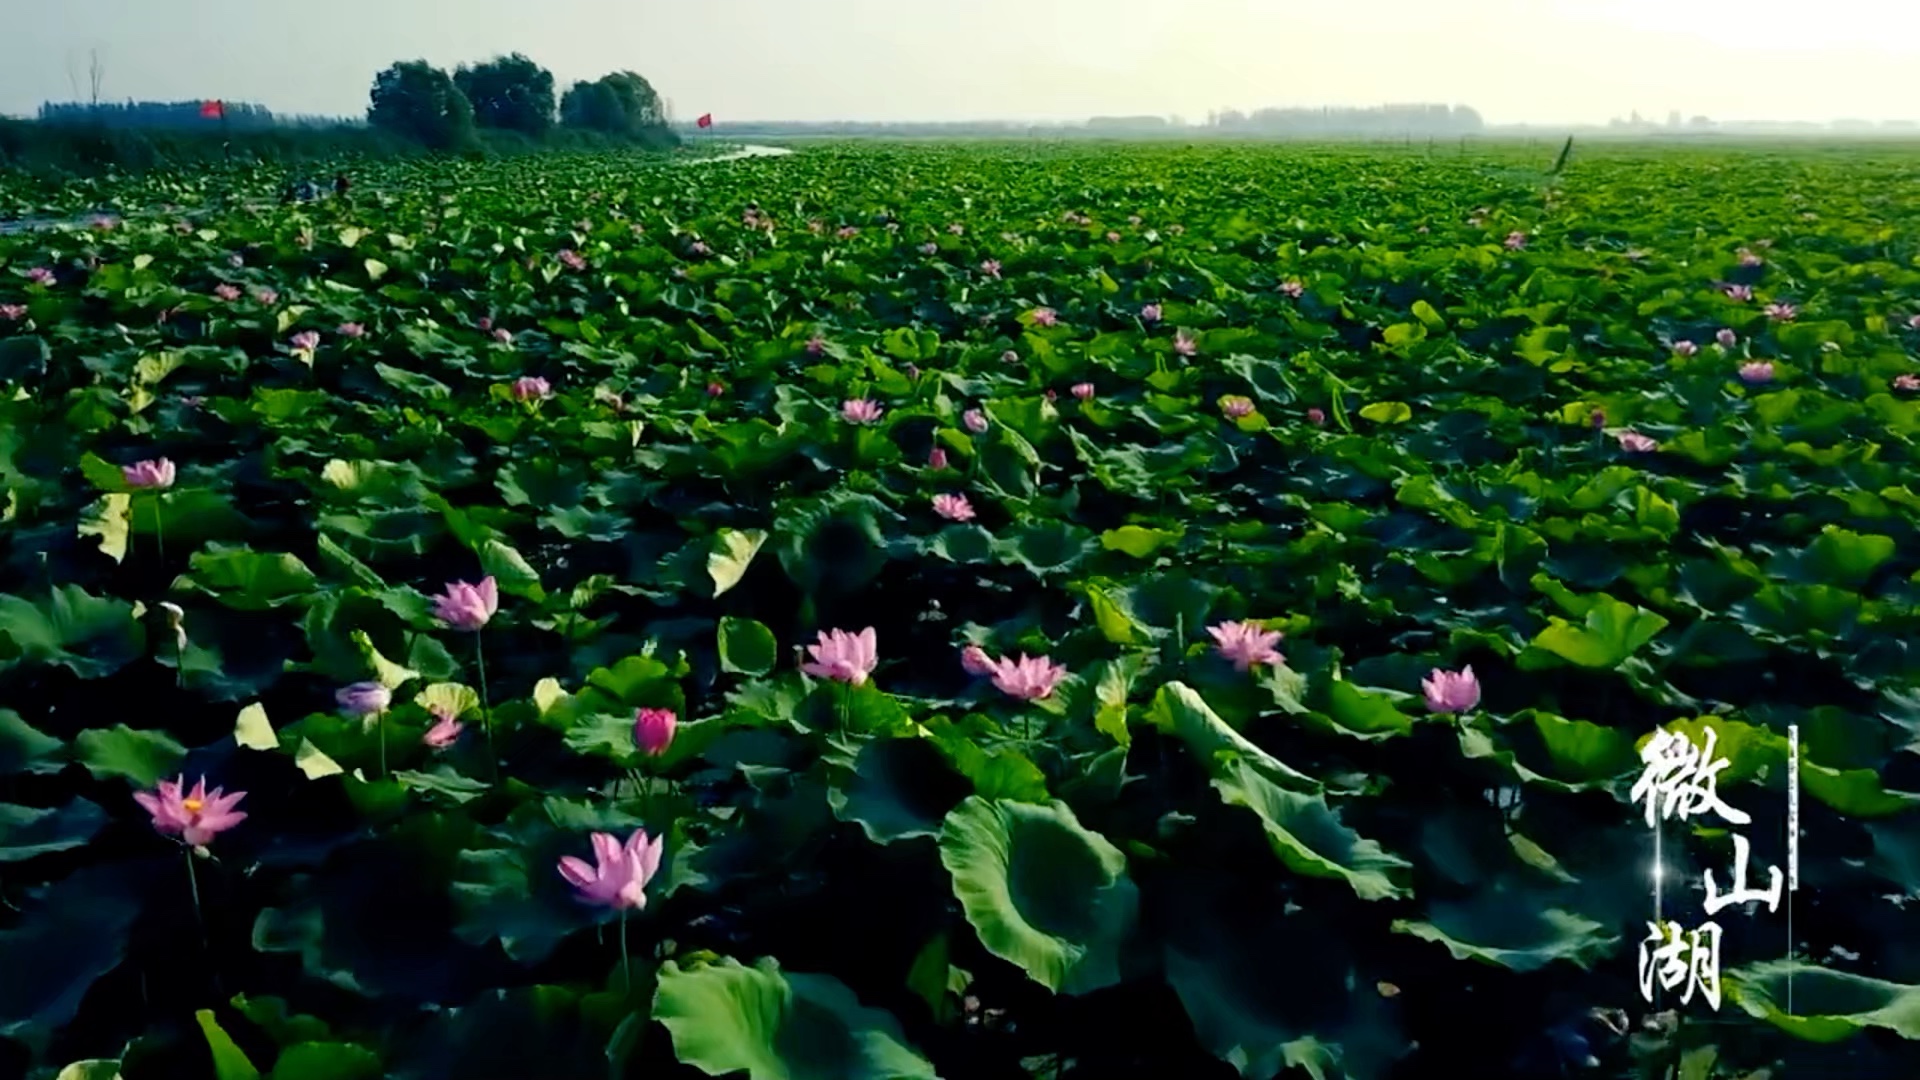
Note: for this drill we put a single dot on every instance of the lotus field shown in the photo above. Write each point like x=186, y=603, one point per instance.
x=964, y=611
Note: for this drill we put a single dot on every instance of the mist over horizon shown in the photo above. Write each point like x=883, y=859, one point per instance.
x=1516, y=62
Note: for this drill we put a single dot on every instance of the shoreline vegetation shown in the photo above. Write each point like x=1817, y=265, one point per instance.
x=502, y=107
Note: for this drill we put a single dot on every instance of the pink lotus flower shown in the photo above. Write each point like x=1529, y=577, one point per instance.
x=40, y=275
x=619, y=874
x=1685, y=348
x=953, y=507
x=1113, y=237
x=860, y=411
x=503, y=336
x=1913, y=321
x=1598, y=421
x=156, y=474
x=957, y=229
x=571, y=260
x=929, y=248
x=352, y=330
x=1741, y=293
x=531, y=388
x=485, y=324
x=1246, y=644
x=444, y=732
x=1150, y=313
x=363, y=699
x=1233, y=406
x=1293, y=288
x=1045, y=317
x=229, y=293
x=653, y=730
x=197, y=818
x=1780, y=311
x=847, y=232
x=12, y=312
x=1083, y=391
x=305, y=341
x=991, y=268
x=716, y=388
x=1133, y=219
x=937, y=460
x=1316, y=416
x=1451, y=691
x=1009, y=357
x=844, y=657
x=1727, y=338
x=468, y=607
x=975, y=420
x=975, y=661
x=1184, y=344
x=1748, y=258
x=1908, y=382
x=266, y=297
x=1635, y=443
x=1756, y=371
x=1030, y=678
x=1515, y=241
x=1177, y=229
x=816, y=345
x=1052, y=395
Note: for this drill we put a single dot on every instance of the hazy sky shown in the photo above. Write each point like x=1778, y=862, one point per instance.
x=1515, y=60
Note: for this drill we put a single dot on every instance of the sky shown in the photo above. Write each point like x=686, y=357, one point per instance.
x=1516, y=61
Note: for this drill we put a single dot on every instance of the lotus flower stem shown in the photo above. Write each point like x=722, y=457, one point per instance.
x=626, y=958
x=486, y=715
x=159, y=531
x=193, y=889
x=380, y=732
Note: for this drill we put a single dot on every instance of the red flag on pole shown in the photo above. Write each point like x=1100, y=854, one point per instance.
x=213, y=110
x=705, y=121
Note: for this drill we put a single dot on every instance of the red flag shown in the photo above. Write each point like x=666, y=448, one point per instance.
x=213, y=110
x=705, y=121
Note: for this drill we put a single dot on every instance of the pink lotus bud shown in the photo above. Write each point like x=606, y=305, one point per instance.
x=937, y=459
x=1083, y=391
x=653, y=730
x=1316, y=417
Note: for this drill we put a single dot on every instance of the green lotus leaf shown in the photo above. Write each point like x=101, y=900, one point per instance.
x=898, y=789
x=733, y=551
x=26, y=832
x=1828, y=1006
x=727, y=1018
x=1513, y=930
x=24, y=749
x=747, y=647
x=1043, y=892
x=92, y=636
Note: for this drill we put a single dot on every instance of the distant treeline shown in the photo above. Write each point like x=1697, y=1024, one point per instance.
x=174, y=116
x=501, y=106
x=1391, y=120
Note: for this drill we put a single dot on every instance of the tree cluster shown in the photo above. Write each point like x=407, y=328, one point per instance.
x=510, y=93
x=158, y=115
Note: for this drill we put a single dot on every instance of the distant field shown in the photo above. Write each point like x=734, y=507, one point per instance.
x=1263, y=448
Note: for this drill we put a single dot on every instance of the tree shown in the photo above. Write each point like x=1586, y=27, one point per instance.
x=418, y=101
x=509, y=92
x=622, y=103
